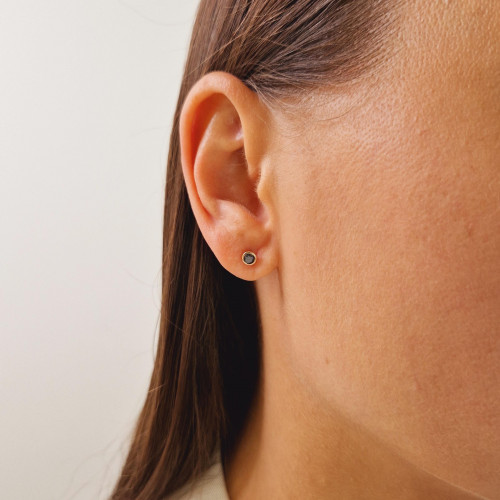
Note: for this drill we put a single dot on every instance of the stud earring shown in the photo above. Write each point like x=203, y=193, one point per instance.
x=249, y=258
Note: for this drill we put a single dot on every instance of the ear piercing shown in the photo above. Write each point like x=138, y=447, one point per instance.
x=249, y=258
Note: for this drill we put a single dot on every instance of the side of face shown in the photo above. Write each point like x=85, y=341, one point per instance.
x=388, y=200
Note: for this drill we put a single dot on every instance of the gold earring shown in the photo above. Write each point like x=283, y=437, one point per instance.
x=249, y=258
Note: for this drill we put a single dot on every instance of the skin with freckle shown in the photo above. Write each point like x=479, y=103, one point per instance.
x=388, y=200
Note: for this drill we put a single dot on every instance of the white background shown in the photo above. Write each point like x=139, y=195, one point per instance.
x=87, y=94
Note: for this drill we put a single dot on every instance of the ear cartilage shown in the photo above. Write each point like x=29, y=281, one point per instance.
x=249, y=258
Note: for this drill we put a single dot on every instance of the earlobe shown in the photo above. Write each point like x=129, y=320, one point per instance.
x=223, y=141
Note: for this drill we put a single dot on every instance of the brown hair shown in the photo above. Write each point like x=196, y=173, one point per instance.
x=206, y=369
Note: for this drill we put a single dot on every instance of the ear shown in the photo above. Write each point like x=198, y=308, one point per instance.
x=224, y=133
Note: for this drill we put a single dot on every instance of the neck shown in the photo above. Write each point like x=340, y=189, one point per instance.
x=294, y=447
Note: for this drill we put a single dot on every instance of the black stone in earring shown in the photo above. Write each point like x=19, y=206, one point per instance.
x=249, y=258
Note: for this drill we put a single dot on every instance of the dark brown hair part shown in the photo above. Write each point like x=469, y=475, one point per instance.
x=207, y=361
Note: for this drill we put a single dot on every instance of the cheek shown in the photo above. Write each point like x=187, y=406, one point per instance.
x=391, y=283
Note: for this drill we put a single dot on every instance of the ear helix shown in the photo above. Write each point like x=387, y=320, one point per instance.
x=249, y=258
